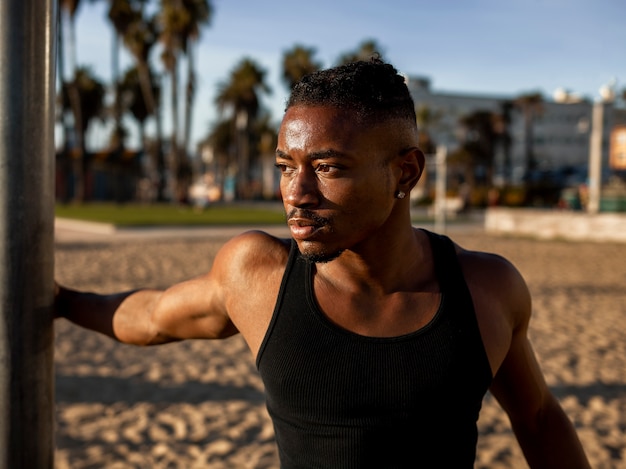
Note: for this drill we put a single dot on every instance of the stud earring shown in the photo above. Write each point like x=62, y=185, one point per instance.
x=400, y=195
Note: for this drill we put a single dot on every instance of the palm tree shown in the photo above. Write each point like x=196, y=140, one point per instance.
x=477, y=151
x=62, y=113
x=366, y=50
x=134, y=101
x=241, y=96
x=265, y=140
x=70, y=103
x=220, y=140
x=531, y=106
x=140, y=39
x=121, y=14
x=298, y=62
x=180, y=22
x=90, y=92
x=70, y=8
x=201, y=13
x=140, y=36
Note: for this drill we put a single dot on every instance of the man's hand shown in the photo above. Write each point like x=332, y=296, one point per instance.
x=57, y=307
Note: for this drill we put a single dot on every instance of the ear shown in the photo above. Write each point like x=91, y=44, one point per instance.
x=412, y=162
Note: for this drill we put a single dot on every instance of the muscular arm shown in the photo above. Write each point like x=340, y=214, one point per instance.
x=199, y=308
x=148, y=317
x=543, y=430
x=97, y=312
x=545, y=434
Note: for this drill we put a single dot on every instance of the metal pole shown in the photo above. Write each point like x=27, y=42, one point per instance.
x=595, y=157
x=440, y=189
x=27, y=57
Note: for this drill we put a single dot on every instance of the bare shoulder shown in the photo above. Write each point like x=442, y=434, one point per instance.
x=249, y=269
x=496, y=277
x=486, y=265
x=235, y=295
x=501, y=301
x=251, y=254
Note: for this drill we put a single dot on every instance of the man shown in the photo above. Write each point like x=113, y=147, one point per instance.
x=376, y=341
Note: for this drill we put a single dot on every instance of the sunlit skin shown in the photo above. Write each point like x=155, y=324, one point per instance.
x=339, y=180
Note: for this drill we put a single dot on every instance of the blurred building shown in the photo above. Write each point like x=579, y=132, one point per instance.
x=561, y=128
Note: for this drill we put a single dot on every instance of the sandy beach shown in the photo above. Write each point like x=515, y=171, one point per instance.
x=200, y=404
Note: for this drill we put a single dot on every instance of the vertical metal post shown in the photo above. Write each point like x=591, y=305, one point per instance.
x=27, y=58
x=441, y=189
x=595, y=157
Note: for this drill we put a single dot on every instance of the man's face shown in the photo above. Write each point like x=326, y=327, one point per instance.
x=337, y=179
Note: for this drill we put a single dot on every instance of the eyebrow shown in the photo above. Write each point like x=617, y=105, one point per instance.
x=318, y=155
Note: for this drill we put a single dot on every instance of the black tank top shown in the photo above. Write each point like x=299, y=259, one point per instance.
x=341, y=400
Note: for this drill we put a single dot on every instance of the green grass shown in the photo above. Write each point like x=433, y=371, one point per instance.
x=172, y=215
x=142, y=215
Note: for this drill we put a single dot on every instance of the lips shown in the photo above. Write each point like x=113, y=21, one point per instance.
x=305, y=223
x=302, y=228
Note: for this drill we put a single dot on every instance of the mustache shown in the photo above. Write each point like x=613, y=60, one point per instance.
x=309, y=215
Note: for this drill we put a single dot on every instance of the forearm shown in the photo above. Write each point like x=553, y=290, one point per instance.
x=126, y=317
x=552, y=441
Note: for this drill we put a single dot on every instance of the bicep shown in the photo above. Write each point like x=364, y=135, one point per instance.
x=504, y=305
x=209, y=306
x=519, y=385
x=191, y=310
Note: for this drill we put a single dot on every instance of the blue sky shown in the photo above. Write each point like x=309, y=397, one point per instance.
x=503, y=47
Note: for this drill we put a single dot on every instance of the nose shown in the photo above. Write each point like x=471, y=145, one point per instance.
x=300, y=189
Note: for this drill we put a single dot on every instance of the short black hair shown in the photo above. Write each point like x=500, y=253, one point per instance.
x=373, y=90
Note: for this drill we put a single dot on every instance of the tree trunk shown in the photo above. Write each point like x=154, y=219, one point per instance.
x=189, y=96
x=174, y=152
x=115, y=78
x=242, y=124
x=78, y=163
x=64, y=166
x=78, y=156
x=145, y=81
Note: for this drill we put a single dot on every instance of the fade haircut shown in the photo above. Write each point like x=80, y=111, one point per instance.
x=373, y=90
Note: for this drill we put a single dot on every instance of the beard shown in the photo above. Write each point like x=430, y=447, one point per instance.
x=321, y=257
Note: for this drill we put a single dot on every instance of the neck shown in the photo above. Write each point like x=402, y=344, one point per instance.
x=391, y=265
